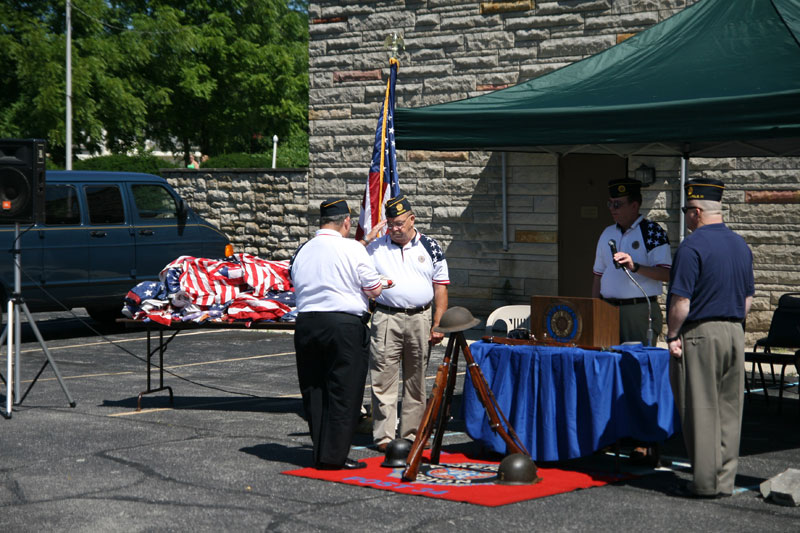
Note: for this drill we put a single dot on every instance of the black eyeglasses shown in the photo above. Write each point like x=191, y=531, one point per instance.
x=616, y=204
x=687, y=207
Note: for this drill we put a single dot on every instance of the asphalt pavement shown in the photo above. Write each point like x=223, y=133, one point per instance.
x=213, y=460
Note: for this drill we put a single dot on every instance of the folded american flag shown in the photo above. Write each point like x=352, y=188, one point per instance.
x=242, y=287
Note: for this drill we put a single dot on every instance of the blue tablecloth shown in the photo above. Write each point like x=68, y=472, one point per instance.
x=568, y=402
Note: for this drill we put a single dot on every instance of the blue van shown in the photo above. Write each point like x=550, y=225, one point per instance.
x=103, y=232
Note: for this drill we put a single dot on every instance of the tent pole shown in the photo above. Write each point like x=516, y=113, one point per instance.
x=505, y=202
x=681, y=219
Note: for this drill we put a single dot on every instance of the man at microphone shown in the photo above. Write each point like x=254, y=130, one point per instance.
x=641, y=247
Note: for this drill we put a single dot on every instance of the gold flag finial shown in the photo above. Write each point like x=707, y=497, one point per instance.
x=393, y=43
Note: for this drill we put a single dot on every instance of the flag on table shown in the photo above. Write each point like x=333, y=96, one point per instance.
x=382, y=182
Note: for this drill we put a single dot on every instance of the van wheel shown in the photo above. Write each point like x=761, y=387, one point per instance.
x=105, y=315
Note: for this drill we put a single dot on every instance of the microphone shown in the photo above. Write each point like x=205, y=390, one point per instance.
x=613, y=245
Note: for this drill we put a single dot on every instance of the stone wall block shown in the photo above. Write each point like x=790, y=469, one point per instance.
x=549, y=8
x=479, y=62
x=427, y=20
x=576, y=46
x=543, y=21
x=379, y=23
x=635, y=21
x=336, y=95
x=491, y=40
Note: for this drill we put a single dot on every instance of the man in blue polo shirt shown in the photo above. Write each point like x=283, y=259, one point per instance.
x=710, y=293
x=403, y=322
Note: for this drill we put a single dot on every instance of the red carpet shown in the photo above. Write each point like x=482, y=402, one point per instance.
x=461, y=479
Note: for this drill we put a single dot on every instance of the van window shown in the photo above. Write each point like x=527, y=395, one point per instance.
x=154, y=201
x=105, y=204
x=61, y=205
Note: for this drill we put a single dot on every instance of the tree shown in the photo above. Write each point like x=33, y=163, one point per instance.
x=186, y=73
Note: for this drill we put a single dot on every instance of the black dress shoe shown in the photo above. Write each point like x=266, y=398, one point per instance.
x=349, y=464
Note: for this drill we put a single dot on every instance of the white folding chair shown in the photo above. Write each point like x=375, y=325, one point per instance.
x=514, y=316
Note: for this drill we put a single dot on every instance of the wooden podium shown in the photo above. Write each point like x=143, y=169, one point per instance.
x=567, y=319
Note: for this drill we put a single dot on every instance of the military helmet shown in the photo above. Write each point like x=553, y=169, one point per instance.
x=517, y=469
x=456, y=319
x=396, y=453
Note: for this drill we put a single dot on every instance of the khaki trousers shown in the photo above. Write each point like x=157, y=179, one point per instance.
x=398, y=341
x=708, y=385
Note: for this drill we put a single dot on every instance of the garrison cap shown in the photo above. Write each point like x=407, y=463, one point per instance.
x=333, y=207
x=704, y=189
x=624, y=187
x=397, y=206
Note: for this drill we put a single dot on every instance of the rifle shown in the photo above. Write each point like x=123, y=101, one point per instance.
x=489, y=402
x=428, y=418
x=444, y=413
x=535, y=342
x=439, y=408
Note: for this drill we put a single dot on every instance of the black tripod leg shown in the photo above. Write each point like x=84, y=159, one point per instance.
x=38, y=335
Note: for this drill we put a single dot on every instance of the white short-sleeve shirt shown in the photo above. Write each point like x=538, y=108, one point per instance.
x=647, y=244
x=414, y=268
x=331, y=273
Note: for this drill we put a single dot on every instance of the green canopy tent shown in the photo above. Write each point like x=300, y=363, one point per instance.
x=720, y=78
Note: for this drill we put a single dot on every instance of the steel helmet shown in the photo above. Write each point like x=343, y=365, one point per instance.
x=396, y=453
x=517, y=469
x=456, y=319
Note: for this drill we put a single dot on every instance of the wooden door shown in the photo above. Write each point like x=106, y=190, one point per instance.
x=582, y=216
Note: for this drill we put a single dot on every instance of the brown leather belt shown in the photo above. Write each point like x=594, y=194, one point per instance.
x=410, y=311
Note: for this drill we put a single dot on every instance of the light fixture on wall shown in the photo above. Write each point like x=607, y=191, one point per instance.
x=645, y=174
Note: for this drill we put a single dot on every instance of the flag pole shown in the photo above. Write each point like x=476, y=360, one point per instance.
x=392, y=61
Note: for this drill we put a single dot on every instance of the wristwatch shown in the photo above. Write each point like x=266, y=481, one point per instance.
x=635, y=267
x=670, y=339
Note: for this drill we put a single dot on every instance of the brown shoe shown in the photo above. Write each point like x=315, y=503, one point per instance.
x=382, y=446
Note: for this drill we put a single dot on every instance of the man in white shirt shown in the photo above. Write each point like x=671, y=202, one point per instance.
x=333, y=277
x=643, y=248
x=402, y=324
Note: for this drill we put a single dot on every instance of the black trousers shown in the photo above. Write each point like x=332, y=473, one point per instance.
x=332, y=351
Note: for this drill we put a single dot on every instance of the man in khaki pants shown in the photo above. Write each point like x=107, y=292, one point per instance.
x=710, y=292
x=403, y=321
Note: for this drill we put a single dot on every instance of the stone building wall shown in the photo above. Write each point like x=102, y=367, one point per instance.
x=264, y=212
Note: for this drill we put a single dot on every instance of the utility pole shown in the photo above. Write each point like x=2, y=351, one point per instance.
x=68, y=140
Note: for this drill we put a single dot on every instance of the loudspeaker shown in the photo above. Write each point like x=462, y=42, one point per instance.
x=22, y=170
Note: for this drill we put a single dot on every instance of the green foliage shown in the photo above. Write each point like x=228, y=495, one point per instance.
x=148, y=164
x=188, y=74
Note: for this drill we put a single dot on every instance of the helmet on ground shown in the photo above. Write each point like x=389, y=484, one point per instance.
x=396, y=453
x=456, y=319
x=517, y=469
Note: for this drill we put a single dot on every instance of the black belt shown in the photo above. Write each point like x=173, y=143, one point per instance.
x=715, y=319
x=409, y=311
x=627, y=301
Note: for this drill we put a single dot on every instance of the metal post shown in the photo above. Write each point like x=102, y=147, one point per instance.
x=681, y=202
x=505, y=201
x=68, y=140
x=274, y=149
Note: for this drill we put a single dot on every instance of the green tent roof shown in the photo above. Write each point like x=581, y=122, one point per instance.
x=720, y=78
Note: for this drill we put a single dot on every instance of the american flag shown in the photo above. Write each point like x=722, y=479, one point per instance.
x=382, y=182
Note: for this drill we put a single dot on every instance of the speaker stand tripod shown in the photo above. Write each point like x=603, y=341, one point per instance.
x=12, y=334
